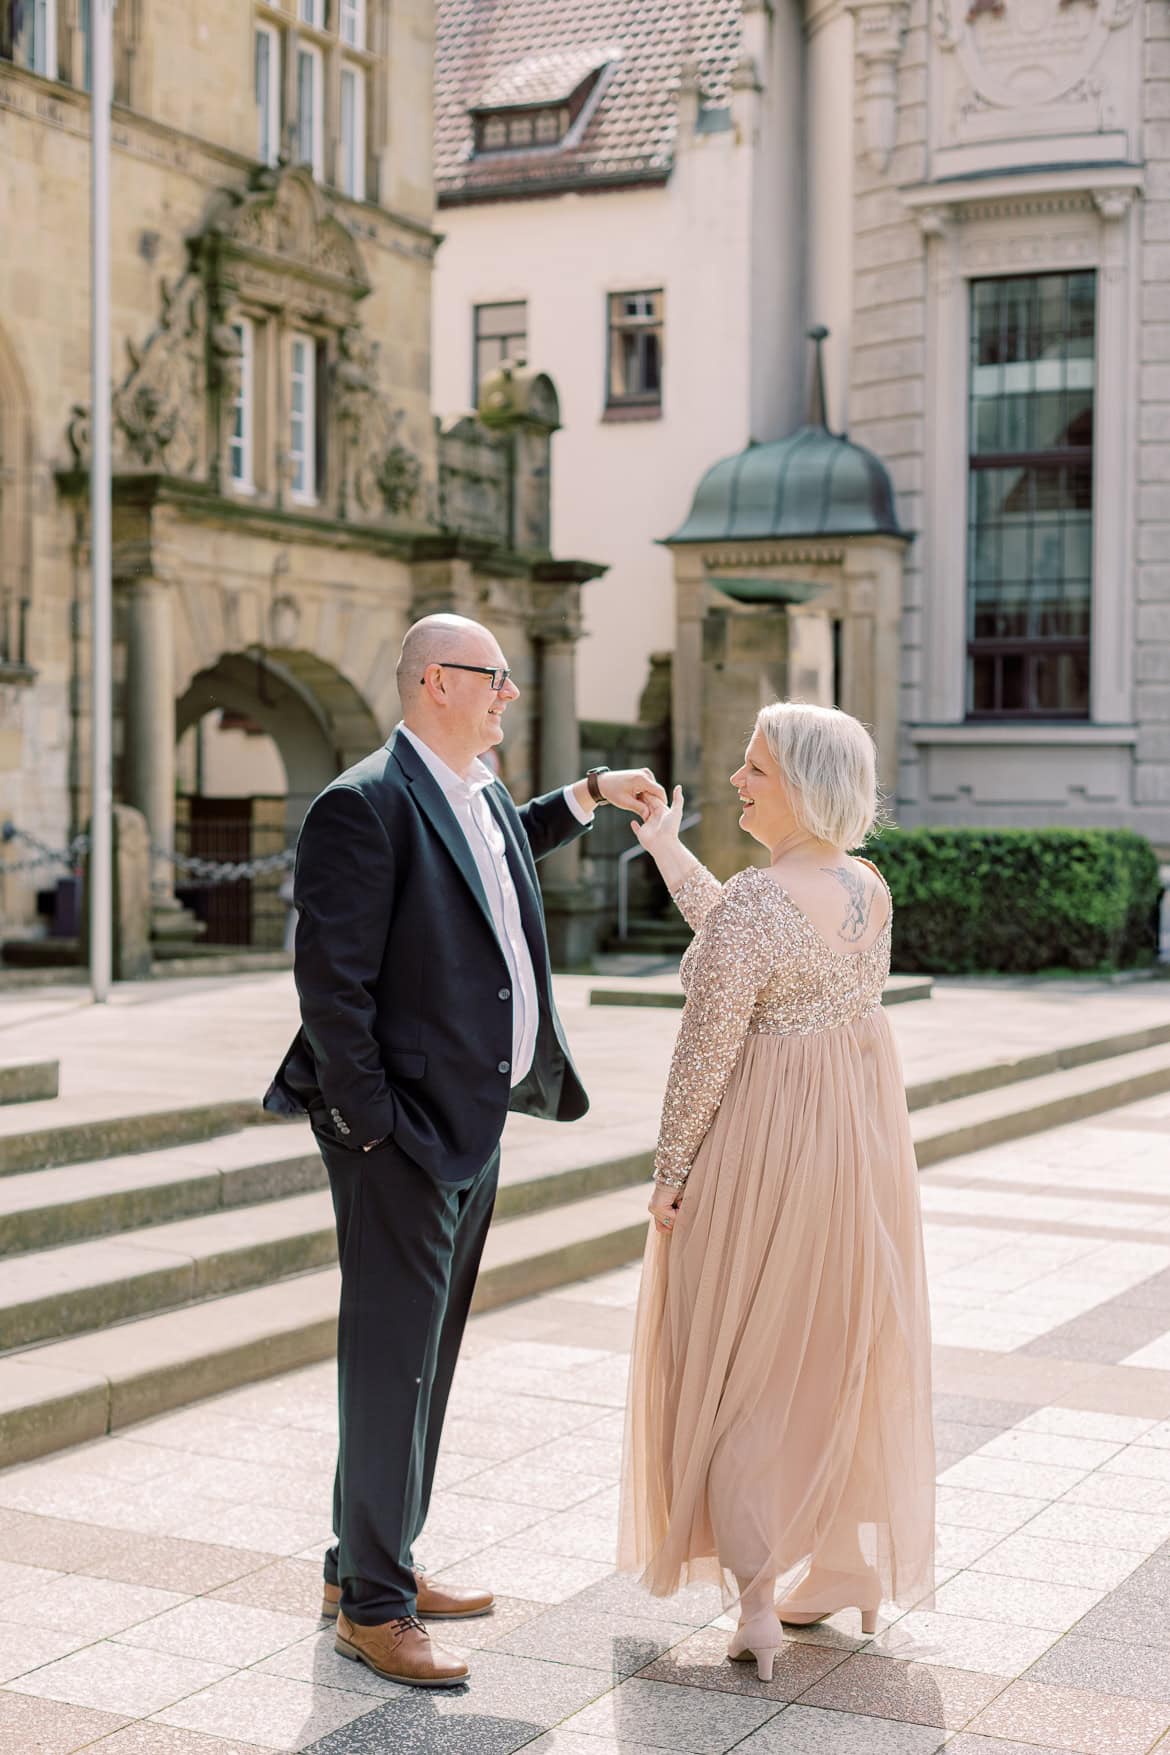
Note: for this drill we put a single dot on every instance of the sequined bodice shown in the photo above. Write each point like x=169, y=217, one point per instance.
x=809, y=987
x=757, y=967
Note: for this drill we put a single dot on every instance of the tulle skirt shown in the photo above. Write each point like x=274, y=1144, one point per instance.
x=779, y=1419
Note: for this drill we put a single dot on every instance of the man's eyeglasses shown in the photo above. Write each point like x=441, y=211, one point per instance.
x=499, y=677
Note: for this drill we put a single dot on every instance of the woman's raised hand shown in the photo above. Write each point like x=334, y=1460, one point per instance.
x=661, y=826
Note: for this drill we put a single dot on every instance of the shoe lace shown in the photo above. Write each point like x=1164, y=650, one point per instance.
x=406, y=1622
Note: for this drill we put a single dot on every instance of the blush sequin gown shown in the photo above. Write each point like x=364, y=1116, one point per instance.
x=779, y=1418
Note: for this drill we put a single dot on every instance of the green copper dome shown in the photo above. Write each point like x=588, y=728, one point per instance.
x=813, y=483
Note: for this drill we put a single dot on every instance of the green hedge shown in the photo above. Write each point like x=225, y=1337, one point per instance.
x=1017, y=900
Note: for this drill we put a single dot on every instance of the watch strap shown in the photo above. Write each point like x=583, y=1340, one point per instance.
x=593, y=783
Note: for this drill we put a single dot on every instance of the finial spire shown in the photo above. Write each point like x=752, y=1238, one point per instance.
x=817, y=416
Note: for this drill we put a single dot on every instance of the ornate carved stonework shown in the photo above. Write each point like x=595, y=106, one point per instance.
x=880, y=29
x=1004, y=71
x=381, y=476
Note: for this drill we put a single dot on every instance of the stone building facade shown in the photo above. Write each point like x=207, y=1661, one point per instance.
x=284, y=503
x=973, y=196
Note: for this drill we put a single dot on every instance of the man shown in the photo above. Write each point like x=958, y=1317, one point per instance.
x=427, y=1013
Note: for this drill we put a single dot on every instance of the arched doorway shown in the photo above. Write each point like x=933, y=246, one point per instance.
x=258, y=735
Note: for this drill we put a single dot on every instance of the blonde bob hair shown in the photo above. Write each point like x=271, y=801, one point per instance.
x=827, y=760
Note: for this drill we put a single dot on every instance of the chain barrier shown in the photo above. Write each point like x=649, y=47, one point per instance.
x=202, y=871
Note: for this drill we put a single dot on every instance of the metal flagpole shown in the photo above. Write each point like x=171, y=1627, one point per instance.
x=101, y=608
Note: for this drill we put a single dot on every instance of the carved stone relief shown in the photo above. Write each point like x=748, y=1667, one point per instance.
x=1003, y=71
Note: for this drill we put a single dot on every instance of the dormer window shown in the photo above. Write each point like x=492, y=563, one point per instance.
x=538, y=103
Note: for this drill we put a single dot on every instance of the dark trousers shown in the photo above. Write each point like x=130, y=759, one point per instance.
x=410, y=1249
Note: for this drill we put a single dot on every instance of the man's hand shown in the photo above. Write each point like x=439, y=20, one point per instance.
x=632, y=789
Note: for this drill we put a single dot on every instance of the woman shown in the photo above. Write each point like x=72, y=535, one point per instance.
x=779, y=1427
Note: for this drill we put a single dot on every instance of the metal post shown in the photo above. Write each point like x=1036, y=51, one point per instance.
x=101, y=17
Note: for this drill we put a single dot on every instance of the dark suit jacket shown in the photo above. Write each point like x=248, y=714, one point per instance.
x=405, y=995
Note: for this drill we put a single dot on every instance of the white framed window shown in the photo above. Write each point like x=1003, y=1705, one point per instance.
x=352, y=21
x=302, y=432
x=37, y=41
x=240, y=441
x=353, y=133
x=312, y=12
x=267, y=75
x=311, y=108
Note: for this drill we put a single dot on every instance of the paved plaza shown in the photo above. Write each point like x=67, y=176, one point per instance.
x=160, y=1588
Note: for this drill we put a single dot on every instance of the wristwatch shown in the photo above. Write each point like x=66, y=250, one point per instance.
x=593, y=783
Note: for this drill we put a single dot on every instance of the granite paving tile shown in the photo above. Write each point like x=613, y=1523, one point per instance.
x=1140, y=1532
x=1052, y=1447
x=464, y=1515
x=267, y=1528
x=684, y=1720
x=1086, y=1423
x=315, y=1660
x=517, y=1571
x=16, y=1577
x=562, y=1742
x=1022, y=1602
x=578, y=1534
x=452, y=1470
x=291, y=1587
x=546, y=1418
x=701, y=1661
x=121, y=1459
x=418, y=1728
x=1072, y=1718
x=146, y=1736
x=91, y=1607
x=617, y=1644
x=169, y=1562
x=506, y=1686
x=973, y=1508
x=955, y=1546
x=1023, y=1555
x=507, y=1614
x=1121, y=1493
x=267, y=1710
x=810, y=1730
x=1111, y=1666
x=993, y=1474
x=117, y=1678
x=29, y=1726
x=205, y=1432
x=24, y=1648
x=621, y=1594
x=1142, y=1459
x=919, y=1693
x=1133, y=1618
x=523, y=1482
x=994, y=1648
x=966, y=1744
x=486, y=1440
x=234, y=1634
x=580, y=1452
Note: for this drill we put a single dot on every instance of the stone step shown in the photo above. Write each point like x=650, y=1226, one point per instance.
x=78, y=1202
x=66, y=1391
x=55, y=1133
x=995, y=1074
x=41, y=1208
x=967, y=1124
x=51, y=1293
x=28, y=1081
x=61, y=1391
x=664, y=992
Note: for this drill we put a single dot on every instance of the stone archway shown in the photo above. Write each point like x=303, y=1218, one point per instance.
x=315, y=716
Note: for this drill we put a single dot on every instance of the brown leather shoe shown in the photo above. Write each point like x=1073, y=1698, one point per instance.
x=437, y=1602
x=402, y=1651
x=450, y=1602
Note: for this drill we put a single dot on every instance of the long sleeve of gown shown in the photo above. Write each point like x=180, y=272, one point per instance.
x=735, y=952
x=697, y=895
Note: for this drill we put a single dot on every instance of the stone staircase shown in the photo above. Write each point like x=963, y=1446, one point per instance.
x=151, y=1259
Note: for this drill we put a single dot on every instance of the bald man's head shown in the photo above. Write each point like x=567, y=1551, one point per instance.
x=439, y=639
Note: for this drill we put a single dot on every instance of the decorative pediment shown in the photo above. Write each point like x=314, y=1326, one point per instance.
x=278, y=241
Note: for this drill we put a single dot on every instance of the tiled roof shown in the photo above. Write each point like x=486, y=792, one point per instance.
x=489, y=47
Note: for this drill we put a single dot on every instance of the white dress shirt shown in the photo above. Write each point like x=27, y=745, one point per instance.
x=488, y=848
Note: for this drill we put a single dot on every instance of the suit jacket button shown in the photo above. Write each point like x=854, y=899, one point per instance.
x=504, y=1066
x=504, y=993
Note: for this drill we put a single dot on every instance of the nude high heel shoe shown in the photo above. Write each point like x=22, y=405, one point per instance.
x=856, y=1593
x=760, y=1637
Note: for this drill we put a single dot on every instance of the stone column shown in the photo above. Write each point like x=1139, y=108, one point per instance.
x=810, y=656
x=745, y=665
x=570, y=906
x=149, y=723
